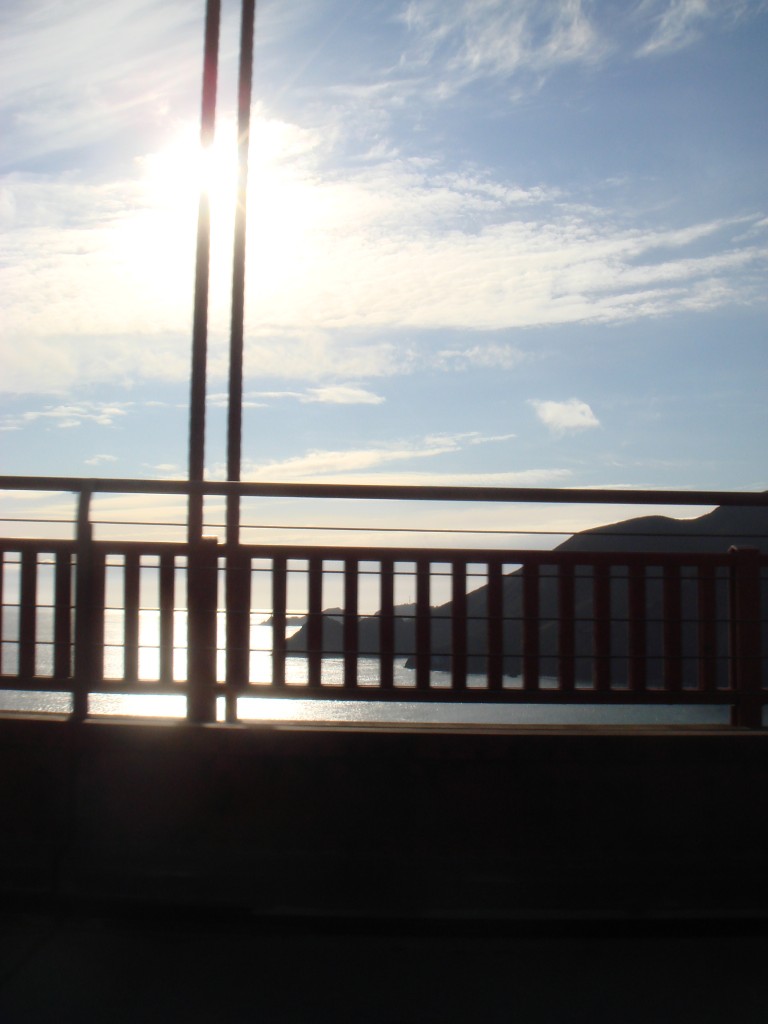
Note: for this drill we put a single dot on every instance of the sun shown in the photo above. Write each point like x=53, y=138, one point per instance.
x=178, y=173
x=289, y=215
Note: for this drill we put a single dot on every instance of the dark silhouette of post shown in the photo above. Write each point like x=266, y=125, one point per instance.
x=202, y=273
x=235, y=409
x=238, y=574
x=201, y=572
x=744, y=641
x=85, y=653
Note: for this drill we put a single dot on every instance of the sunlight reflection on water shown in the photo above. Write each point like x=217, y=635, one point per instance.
x=254, y=708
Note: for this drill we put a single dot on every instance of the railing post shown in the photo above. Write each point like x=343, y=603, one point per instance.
x=744, y=637
x=202, y=607
x=238, y=605
x=84, y=610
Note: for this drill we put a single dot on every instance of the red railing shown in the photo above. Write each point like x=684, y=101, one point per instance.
x=211, y=620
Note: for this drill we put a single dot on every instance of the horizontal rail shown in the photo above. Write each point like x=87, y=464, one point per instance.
x=389, y=492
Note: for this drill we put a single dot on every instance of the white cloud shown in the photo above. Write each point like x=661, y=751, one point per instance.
x=98, y=460
x=679, y=23
x=73, y=74
x=565, y=417
x=400, y=477
x=498, y=37
x=342, y=394
x=677, y=26
x=490, y=355
x=344, y=464
x=97, y=279
x=71, y=415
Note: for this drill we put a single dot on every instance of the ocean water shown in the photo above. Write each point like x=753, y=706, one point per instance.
x=257, y=708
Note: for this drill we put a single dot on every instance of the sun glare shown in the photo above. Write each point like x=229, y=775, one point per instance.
x=290, y=211
x=177, y=173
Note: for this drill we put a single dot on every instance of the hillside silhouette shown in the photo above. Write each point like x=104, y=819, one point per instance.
x=714, y=532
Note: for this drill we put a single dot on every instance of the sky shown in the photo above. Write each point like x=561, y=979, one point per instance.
x=490, y=242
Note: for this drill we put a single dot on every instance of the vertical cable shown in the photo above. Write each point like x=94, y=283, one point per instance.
x=202, y=267
x=235, y=411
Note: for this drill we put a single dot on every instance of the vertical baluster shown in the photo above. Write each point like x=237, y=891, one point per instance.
x=131, y=585
x=495, y=612
x=530, y=626
x=84, y=612
x=62, y=617
x=28, y=614
x=636, y=613
x=673, y=646
x=350, y=622
x=423, y=626
x=315, y=622
x=601, y=597
x=566, y=646
x=202, y=607
x=3, y=553
x=707, y=629
x=96, y=639
x=167, y=596
x=387, y=624
x=238, y=627
x=279, y=597
x=459, y=625
x=745, y=641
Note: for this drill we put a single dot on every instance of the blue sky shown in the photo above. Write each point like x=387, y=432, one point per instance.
x=491, y=242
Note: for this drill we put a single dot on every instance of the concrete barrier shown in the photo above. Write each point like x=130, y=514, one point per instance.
x=411, y=823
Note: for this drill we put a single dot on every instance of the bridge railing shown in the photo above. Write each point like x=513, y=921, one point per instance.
x=214, y=622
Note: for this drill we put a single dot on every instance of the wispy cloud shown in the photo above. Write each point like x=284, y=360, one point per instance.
x=342, y=394
x=565, y=417
x=99, y=460
x=499, y=37
x=72, y=74
x=345, y=463
x=331, y=394
x=507, y=39
x=679, y=23
x=489, y=356
x=70, y=415
x=106, y=294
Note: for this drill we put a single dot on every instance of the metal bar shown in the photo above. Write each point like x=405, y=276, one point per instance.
x=3, y=553
x=530, y=627
x=495, y=612
x=238, y=631
x=202, y=273
x=566, y=629
x=423, y=626
x=459, y=625
x=745, y=661
x=62, y=617
x=315, y=630
x=672, y=632
x=202, y=601
x=96, y=638
x=167, y=595
x=235, y=406
x=350, y=622
x=84, y=609
x=387, y=624
x=131, y=581
x=279, y=597
x=28, y=614
x=377, y=492
x=707, y=628
x=637, y=625
x=601, y=629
